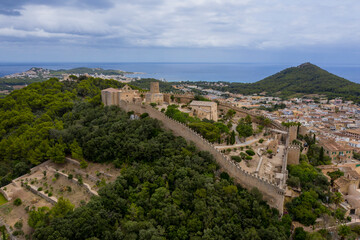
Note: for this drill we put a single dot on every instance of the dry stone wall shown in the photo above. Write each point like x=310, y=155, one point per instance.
x=272, y=193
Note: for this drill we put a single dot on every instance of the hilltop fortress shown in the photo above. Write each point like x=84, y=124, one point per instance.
x=273, y=191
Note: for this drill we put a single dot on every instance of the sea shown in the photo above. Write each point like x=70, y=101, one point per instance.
x=212, y=72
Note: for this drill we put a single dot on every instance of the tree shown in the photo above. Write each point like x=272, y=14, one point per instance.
x=230, y=114
x=17, y=202
x=57, y=153
x=61, y=208
x=38, y=218
x=83, y=164
x=248, y=119
x=76, y=150
x=244, y=129
x=321, y=155
x=232, y=138
x=344, y=231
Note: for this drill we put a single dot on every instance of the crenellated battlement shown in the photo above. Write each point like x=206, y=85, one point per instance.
x=273, y=193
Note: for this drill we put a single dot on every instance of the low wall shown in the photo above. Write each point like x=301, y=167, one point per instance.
x=272, y=193
x=74, y=180
x=5, y=195
x=34, y=190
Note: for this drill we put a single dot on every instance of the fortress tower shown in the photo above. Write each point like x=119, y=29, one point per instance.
x=154, y=96
x=293, y=154
x=292, y=133
x=154, y=87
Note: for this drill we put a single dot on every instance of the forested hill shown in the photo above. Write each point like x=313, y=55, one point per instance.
x=304, y=79
x=167, y=188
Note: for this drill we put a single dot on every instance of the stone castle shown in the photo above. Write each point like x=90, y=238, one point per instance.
x=200, y=109
x=132, y=100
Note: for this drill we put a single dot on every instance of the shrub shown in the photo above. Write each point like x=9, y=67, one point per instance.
x=57, y=175
x=17, y=202
x=83, y=164
x=18, y=225
x=236, y=158
x=144, y=115
x=50, y=194
x=269, y=151
x=261, y=140
x=18, y=232
x=248, y=157
x=153, y=104
x=224, y=175
x=70, y=176
x=40, y=189
x=250, y=152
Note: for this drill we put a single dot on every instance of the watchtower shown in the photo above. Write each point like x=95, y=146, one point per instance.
x=293, y=154
x=292, y=133
x=154, y=87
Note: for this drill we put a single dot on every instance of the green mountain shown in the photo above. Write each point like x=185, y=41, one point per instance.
x=301, y=80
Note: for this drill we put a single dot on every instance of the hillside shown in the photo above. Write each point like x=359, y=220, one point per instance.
x=304, y=79
x=168, y=189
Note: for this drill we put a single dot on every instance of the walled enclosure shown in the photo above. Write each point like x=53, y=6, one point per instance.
x=273, y=194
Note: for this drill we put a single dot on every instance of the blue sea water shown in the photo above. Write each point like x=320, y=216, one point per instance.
x=229, y=72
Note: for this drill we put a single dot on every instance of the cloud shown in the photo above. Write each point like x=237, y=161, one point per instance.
x=253, y=24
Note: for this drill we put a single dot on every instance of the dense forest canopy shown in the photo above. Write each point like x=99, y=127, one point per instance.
x=30, y=117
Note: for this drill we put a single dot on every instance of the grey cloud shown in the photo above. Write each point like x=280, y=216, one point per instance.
x=13, y=7
x=181, y=23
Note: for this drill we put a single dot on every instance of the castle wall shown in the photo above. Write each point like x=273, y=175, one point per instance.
x=272, y=193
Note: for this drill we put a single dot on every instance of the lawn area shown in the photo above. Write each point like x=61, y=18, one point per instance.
x=2, y=199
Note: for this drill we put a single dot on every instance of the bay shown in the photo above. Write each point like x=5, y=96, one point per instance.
x=228, y=72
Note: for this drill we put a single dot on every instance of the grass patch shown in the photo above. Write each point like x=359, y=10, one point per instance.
x=2, y=199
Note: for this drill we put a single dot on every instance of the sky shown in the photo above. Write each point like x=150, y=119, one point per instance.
x=255, y=31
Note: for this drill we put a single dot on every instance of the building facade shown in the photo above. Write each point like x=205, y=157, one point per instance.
x=204, y=109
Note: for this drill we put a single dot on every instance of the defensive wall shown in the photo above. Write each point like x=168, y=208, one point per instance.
x=187, y=98
x=253, y=115
x=272, y=193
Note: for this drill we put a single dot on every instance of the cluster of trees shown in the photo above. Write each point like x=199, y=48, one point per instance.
x=210, y=130
x=244, y=127
x=315, y=154
x=167, y=188
x=31, y=118
x=315, y=193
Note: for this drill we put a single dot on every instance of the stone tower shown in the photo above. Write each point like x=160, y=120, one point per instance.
x=154, y=87
x=293, y=154
x=292, y=133
x=154, y=96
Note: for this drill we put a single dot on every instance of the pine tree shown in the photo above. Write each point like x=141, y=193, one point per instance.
x=232, y=137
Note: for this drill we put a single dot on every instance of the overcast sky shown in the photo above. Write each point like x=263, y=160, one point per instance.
x=263, y=31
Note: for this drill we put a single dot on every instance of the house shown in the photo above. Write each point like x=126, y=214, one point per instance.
x=204, y=109
x=336, y=151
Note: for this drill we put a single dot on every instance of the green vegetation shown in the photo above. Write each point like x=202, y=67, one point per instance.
x=167, y=188
x=244, y=127
x=32, y=118
x=2, y=199
x=17, y=202
x=210, y=130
